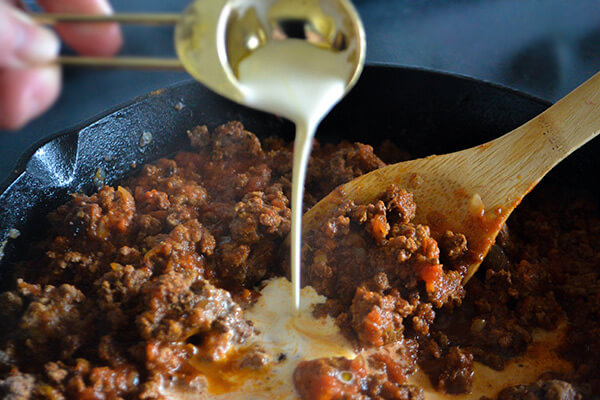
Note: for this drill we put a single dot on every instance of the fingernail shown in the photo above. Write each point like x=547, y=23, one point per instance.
x=33, y=44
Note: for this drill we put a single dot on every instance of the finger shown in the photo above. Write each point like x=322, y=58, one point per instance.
x=26, y=93
x=22, y=42
x=99, y=39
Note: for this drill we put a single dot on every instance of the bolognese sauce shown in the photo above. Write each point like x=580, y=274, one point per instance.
x=134, y=284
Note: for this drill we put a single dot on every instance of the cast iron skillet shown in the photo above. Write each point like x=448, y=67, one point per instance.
x=423, y=112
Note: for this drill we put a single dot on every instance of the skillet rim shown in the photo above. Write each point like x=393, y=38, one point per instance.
x=26, y=156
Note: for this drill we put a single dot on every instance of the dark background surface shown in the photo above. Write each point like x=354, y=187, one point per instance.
x=542, y=47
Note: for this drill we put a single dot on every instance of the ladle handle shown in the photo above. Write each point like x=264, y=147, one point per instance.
x=525, y=155
x=121, y=18
x=147, y=63
x=127, y=62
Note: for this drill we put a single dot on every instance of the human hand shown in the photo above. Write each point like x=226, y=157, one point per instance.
x=29, y=83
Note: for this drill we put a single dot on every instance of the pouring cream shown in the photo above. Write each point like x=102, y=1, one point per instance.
x=301, y=82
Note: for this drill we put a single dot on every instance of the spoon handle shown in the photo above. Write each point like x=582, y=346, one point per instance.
x=521, y=158
x=568, y=124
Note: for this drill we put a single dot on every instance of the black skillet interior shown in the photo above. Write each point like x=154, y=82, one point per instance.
x=423, y=112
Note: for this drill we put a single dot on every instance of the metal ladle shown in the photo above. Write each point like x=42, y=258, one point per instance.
x=213, y=36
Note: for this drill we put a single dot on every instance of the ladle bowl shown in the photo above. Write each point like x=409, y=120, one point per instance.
x=214, y=36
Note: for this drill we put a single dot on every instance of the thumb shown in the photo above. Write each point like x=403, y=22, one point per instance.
x=23, y=42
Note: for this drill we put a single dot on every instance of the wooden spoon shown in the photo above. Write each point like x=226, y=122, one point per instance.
x=474, y=191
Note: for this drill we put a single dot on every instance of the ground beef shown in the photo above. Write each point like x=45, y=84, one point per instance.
x=87, y=381
x=57, y=320
x=133, y=284
x=117, y=289
x=542, y=390
x=259, y=218
x=453, y=246
x=179, y=308
x=17, y=387
x=557, y=235
x=254, y=358
x=449, y=367
x=379, y=376
x=333, y=165
x=129, y=283
x=397, y=280
x=374, y=317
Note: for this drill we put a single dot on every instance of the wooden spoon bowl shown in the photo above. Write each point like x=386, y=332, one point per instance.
x=474, y=191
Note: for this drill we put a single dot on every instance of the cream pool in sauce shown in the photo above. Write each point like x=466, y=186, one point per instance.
x=286, y=337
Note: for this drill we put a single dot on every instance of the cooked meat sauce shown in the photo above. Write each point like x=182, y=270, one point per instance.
x=134, y=282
